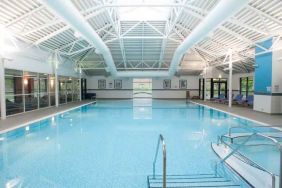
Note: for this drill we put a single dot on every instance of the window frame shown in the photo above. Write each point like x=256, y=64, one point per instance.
x=246, y=89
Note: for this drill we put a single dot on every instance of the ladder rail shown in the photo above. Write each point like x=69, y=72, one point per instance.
x=273, y=140
x=245, y=127
x=160, y=140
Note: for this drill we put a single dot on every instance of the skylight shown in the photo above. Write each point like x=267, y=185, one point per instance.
x=143, y=13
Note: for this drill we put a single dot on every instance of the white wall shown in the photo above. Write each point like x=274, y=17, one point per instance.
x=110, y=92
x=157, y=86
x=175, y=92
x=33, y=59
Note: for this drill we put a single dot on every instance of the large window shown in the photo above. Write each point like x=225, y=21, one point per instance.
x=30, y=81
x=208, y=88
x=43, y=90
x=52, y=97
x=26, y=91
x=68, y=89
x=76, y=90
x=62, y=90
x=14, y=91
x=246, y=86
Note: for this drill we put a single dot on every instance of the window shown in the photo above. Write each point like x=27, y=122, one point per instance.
x=250, y=86
x=101, y=84
x=208, y=88
x=43, y=91
x=69, y=89
x=26, y=91
x=62, y=90
x=246, y=86
x=118, y=84
x=14, y=91
x=167, y=84
x=30, y=81
x=52, y=98
x=183, y=84
x=76, y=89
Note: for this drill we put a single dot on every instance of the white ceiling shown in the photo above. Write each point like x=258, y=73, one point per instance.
x=143, y=43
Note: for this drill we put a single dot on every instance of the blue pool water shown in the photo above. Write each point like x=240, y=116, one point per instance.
x=112, y=144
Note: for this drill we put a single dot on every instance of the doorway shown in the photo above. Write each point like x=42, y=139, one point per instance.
x=218, y=87
x=142, y=88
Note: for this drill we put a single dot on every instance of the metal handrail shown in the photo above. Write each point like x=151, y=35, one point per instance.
x=245, y=127
x=266, y=137
x=160, y=139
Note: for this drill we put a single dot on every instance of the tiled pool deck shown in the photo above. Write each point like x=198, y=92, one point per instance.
x=245, y=112
x=15, y=121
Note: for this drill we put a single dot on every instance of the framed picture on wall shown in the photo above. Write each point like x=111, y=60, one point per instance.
x=101, y=84
x=118, y=84
x=167, y=84
x=182, y=84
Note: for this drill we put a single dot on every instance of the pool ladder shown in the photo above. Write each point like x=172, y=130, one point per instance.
x=183, y=181
x=248, y=160
x=160, y=140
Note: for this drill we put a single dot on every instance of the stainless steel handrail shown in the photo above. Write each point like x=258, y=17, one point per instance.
x=248, y=128
x=266, y=137
x=160, y=139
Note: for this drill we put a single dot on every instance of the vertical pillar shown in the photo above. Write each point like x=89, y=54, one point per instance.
x=56, y=87
x=48, y=89
x=230, y=79
x=2, y=89
x=23, y=90
x=80, y=72
x=205, y=84
x=55, y=69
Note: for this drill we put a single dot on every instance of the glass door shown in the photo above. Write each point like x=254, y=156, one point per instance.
x=219, y=87
x=216, y=90
x=223, y=88
x=202, y=88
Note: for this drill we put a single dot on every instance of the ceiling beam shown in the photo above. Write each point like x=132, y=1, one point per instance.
x=29, y=13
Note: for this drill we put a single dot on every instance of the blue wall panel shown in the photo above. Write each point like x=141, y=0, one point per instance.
x=263, y=71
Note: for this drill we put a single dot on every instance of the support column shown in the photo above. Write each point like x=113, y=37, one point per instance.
x=205, y=84
x=80, y=72
x=230, y=79
x=55, y=69
x=56, y=87
x=2, y=89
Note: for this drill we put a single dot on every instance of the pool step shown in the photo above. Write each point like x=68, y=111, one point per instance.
x=193, y=180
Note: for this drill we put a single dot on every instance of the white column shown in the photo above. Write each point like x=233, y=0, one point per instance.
x=80, y=98
x=205, y=84
x=56, y=87
x=2, y=89
x=48, y=89
x=55, y=69
x=230, y=79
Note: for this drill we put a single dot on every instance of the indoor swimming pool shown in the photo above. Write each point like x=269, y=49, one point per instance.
x=112, y=144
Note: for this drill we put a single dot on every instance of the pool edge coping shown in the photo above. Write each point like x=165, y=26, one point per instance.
x=43, y=118
x=238, y=116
